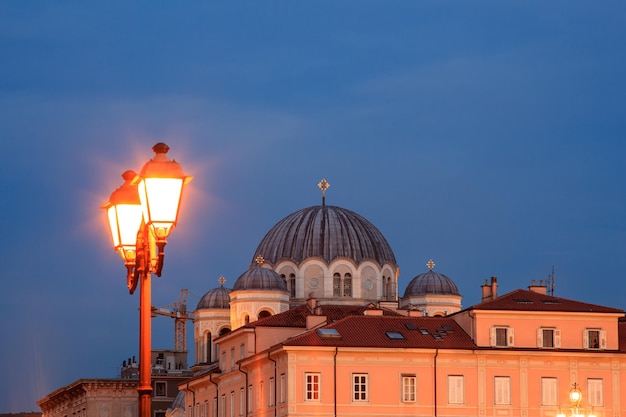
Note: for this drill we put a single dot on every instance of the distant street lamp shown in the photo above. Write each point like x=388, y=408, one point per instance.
x=575, y=408
x=142, y=213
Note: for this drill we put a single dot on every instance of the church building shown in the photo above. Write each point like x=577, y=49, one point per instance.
x=316, y=326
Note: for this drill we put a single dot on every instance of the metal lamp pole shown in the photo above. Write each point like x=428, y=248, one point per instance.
x=142, y=213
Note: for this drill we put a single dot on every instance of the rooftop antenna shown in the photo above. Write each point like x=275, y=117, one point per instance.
x=550, y=282
x=323, y=184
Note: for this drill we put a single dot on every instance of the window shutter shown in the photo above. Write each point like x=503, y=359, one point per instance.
x=557, y=338
x=585, y=339
x=540, y=337
x=602, y=339
x=492, y=336
x=510, y=335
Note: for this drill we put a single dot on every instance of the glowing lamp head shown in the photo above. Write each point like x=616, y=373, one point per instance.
x=575, y=395
x=124, y=214
x=160, y=186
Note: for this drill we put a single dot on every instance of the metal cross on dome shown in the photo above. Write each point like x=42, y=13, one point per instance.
x=221, y=280
x=430, y=264
x=260, y=260
x=323, y=184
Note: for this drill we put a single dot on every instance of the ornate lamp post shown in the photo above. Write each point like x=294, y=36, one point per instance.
x=142, y=213
x=574, y=408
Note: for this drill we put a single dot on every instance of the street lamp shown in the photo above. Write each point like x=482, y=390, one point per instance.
x=142, y=213
x=574, y=408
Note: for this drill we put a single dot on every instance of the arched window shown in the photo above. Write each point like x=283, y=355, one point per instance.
x=347, y=285
x=224, y=331
x=209, y=343
x=246, y=319
x=336, y=285
x=292, y=285
x=264, y=313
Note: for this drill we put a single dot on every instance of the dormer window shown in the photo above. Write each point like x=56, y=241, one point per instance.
x=501, y=336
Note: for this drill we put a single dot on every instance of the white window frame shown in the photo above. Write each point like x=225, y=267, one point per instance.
x=541, y=339
x=595, y=392
x=222, y=410
x=502, y=390
x=272, y=392
x=249, y=398
x=549, y=391
x=360, y=391
x=456, y=390
x=232, y=404
x=312, y=386
x=408, y=388
x=242, y=401
x=588, y=340
x=508, y=336
x=282, y=388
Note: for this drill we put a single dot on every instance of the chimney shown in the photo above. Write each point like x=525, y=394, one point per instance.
x=539, y=289
x=490, y=291
x=311, y=302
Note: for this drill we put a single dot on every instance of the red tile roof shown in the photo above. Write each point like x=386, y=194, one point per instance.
x=373, y=331
x=524, y=300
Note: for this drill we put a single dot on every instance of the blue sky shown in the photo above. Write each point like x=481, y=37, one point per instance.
x=488, y=136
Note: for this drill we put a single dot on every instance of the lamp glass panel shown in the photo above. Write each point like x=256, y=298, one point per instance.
x=160, y=199
x=129, y=220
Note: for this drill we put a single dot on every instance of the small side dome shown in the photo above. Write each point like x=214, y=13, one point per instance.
x=259, y=278
x=431, y=282
x=216, y=298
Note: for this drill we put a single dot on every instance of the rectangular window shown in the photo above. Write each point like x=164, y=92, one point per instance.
x=549, y=391
x=160, y=389
x=242, y=351
x=501, y=336
x=312, y=387
x=232, y=404
x=222, y=405
x=502, y=390
x=359, y=387
x=595, y=396
x=594, y=339
x=456, y=389
x=232, y=358
x=272, y=392
x=206, y=408
x=260, y=396
x=409, y=388
x=214, y=406
x=282, y=388
x=249, y=398
x=242, y=401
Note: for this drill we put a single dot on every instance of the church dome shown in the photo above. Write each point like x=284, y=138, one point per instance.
x=216, y=298
x=259, y=278
x=326, y=232
x=431, y=282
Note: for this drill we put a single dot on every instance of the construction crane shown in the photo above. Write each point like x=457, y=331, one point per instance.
x=179, y=313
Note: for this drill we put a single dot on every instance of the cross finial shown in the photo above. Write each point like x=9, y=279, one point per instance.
x=221, y=280
x=323, y=184
x=259, y=260
x=430, y=264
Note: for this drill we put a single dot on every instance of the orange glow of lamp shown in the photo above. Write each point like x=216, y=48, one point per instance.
x=124, y=214
x=160, y=187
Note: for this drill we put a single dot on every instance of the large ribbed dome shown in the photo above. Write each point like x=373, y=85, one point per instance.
x=259, y=278
x=216, y=298
x=431, y=282
x=326, y=232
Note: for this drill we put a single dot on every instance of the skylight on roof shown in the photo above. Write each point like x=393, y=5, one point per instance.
x=410, y=325
x=394, y=335
x=424, y=330
x=328, y=333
